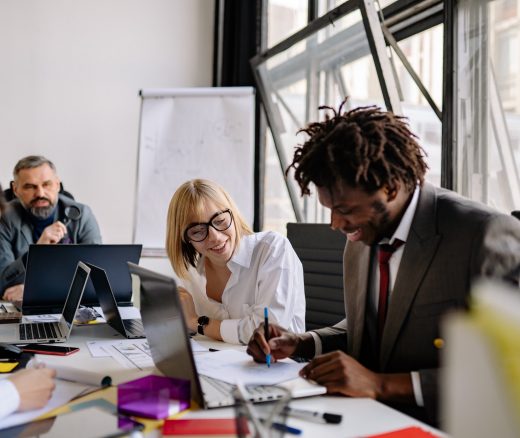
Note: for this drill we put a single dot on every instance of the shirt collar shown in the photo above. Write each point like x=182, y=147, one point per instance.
x=244, y=252
x=241, y=257
x=403, y=229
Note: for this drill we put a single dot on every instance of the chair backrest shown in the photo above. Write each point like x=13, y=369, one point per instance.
x=9, y=192
x=320, y=250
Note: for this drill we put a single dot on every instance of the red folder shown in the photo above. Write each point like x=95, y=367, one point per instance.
x=202, y=426
x=409, y=432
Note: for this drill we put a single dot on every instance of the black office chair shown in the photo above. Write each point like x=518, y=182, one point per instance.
x=320, y=250
x=9, y=193
x=516, y=213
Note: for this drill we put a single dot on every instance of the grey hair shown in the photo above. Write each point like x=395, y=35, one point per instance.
x=30, y=162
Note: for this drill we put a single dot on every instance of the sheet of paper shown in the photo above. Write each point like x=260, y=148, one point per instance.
x=235, y=366
x=63, y=392
x=136, y=355
x=97, y=348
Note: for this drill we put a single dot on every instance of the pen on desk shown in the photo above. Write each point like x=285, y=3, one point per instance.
x=303, y=413
x=287, y=429
x=266, y=335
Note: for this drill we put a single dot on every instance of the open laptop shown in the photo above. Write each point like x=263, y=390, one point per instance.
x=49, y=268
x=170, y=346
x=55, y=331
x=129, y=328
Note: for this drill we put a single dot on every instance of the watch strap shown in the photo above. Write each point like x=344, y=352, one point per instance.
x=202, y=322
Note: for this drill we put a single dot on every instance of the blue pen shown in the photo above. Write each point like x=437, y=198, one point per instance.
x=287, y=429
x=266, y=335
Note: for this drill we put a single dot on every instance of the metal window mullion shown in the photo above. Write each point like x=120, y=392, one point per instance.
x=377, y=45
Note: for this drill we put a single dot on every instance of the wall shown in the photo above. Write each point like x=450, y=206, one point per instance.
x=70, y=76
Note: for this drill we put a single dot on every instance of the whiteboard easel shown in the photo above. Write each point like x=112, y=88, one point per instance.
x=191, y=133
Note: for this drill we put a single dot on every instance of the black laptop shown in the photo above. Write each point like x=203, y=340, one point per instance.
x=50, y=268
x=130, y=328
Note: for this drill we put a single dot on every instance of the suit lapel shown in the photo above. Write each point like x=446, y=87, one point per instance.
x=355, y=276
x=27, y=233
x=420, y=248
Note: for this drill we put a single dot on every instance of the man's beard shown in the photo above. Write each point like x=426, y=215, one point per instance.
x=41, y=212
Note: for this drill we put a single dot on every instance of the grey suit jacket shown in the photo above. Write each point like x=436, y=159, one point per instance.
x=16, y=235
x=452, y=241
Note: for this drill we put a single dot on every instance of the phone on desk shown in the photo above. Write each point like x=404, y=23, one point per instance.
x=58, y=350
x=92, y=422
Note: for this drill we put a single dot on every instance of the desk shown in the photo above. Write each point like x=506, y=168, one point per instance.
x=360, y=416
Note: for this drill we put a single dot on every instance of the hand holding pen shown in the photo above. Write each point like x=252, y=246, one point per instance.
x=271, y=339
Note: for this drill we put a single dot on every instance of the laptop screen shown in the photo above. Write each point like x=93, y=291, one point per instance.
x=167, y=335
x=74, y=296
x=50, y=268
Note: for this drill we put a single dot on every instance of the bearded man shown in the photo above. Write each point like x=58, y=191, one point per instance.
x=38, y=215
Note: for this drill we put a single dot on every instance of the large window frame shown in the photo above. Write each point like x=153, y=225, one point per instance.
x=402, y=19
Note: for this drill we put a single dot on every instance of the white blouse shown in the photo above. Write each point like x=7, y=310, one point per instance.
x=265, y=272
x=10, y=398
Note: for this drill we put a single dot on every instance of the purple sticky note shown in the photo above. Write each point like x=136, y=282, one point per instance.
x=153, y=396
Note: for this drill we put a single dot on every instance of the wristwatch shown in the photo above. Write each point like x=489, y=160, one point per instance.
x=202, y=321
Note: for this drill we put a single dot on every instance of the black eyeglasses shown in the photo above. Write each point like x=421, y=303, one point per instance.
x=221, y=221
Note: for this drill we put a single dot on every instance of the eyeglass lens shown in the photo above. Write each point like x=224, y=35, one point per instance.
x=221, y=222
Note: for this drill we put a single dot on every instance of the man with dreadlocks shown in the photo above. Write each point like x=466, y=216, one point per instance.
x=412, y=252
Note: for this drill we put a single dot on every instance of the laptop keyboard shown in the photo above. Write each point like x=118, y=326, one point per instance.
x=219, y=393
x=40, y=330
x=134, y=327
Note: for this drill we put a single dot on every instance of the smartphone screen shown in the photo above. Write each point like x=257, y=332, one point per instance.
x=58, y=350
x=86, y=423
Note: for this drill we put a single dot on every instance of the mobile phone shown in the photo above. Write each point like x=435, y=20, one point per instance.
x=58, y=350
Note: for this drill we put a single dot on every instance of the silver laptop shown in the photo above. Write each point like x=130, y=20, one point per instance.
x=55, y=331
x=170, y=345
x=129, y=328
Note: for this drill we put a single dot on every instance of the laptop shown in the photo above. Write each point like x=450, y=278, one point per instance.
x=55, y=331
x=170, y=346
x=129, y=328
x=49, y=268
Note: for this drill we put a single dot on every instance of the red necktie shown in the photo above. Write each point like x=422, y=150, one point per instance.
x=384, y=254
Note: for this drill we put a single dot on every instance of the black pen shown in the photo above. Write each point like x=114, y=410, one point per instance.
x=304, y=413
x=266, y=334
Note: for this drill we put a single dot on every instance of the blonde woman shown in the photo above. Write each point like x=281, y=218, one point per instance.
x=230, y=274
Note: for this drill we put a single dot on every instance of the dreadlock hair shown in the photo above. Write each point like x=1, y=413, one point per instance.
x=364, y=147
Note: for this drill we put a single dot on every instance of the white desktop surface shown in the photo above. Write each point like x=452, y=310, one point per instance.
x=361, y=417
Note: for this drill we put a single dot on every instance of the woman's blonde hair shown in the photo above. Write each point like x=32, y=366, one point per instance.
x=188, y=202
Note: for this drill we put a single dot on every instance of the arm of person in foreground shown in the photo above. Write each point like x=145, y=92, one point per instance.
x=26, y=390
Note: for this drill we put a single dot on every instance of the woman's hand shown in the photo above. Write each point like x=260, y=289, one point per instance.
x=188, y=308
x=35, y=387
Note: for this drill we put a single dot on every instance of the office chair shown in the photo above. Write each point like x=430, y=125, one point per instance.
x=9, y=193
x=516, y=213
x=320, y=250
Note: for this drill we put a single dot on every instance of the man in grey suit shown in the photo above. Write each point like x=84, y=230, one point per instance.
x=412, y=253
x=40, y=215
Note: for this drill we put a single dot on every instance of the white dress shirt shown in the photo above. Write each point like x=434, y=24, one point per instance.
x=265, y=272
x=10, y=398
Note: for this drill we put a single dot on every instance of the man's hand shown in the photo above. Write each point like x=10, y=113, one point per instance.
x=188, y=308
x=282, y=343
x=35, y=387
x=14, y=294
x=53, y=233
x=341, y=374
